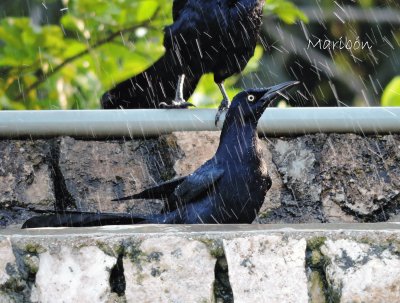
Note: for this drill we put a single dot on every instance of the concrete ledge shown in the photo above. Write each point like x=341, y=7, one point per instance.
x=210, y=263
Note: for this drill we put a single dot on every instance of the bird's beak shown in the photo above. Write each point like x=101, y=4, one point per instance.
x=276, y=90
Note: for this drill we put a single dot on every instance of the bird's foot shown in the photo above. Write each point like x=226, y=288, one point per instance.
x=222, y=107
x=181, y=103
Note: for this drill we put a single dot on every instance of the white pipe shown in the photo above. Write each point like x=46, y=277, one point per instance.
x=139, y=123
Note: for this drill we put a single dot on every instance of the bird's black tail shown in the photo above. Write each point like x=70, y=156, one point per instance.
x=82, y=219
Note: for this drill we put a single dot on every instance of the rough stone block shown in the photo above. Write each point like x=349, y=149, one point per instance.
x=11, y=284
x=333, y=178
x=294, y=168
x=7, y=260
x=25, y=174
x=361, y=272
x=73, y=275
x=360, y=176
x=196, y=148
x=95, y=172
x=170, y=269
x=4, y=298
x=275, y=194
x=267, y=269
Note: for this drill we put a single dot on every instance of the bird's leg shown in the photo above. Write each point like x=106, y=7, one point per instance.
x=179, y=90
x=179, y=101
x=224, y=103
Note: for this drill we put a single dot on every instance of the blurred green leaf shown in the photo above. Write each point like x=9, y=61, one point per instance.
x=285, y=10
x=391, y=94
x=72, y=23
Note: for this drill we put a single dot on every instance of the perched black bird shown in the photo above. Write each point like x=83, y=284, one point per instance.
x=228, y=188
x=207, y=36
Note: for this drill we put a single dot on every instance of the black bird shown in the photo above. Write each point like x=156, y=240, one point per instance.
x=228, y=188
x=207, y=36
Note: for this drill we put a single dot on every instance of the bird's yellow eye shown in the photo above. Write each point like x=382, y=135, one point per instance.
x=250, y=98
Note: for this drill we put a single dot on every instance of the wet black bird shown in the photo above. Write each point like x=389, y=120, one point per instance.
x=207, y=36
x=228, y=188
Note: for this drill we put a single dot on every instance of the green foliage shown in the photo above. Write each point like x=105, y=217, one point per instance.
x=391, y=94
x=285, y=10
x=93, y=45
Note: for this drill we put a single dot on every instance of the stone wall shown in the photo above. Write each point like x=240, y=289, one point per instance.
x=323, y=178
x=316, y=178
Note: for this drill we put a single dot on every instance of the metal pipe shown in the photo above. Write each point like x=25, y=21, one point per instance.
x=145, y=122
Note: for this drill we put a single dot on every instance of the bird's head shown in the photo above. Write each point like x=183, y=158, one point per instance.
x=249, y=105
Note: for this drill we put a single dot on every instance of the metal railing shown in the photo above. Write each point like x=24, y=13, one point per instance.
x=143, y=123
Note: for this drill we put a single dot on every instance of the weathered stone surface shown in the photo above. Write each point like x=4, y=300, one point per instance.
x=362, y=273
x=12, y=286
x=316, y=287
x=4, y=298
x=361, y=176
x=170, y=269
x=267, y=269
x=335, y=178
x=297, y=185
x=95, y=172
x=274, y=196
x=180, y=258
x=196, y=148
x=25, y=174
x=73, y=275
x=7, y=260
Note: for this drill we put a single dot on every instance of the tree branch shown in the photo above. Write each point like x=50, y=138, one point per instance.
x=82, y=53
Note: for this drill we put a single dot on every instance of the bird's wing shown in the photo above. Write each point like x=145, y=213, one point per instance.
x=177, y=7
x=159, y=191
x=198, y=183
x=182, y=190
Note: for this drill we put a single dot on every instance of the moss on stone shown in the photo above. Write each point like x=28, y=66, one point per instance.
x=316, y=257
x=107, y=249
x=395, y=248
x=31, y=263
x=315, y=242
x=264, y=214
x=12, y=285
x=119, y=249
x=316, y=288
x=34, y=248
x=135, y=254
x=319, y=287
x=215, y=247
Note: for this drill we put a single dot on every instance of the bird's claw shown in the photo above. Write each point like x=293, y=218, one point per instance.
x=223, y=107
x=176, y=104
